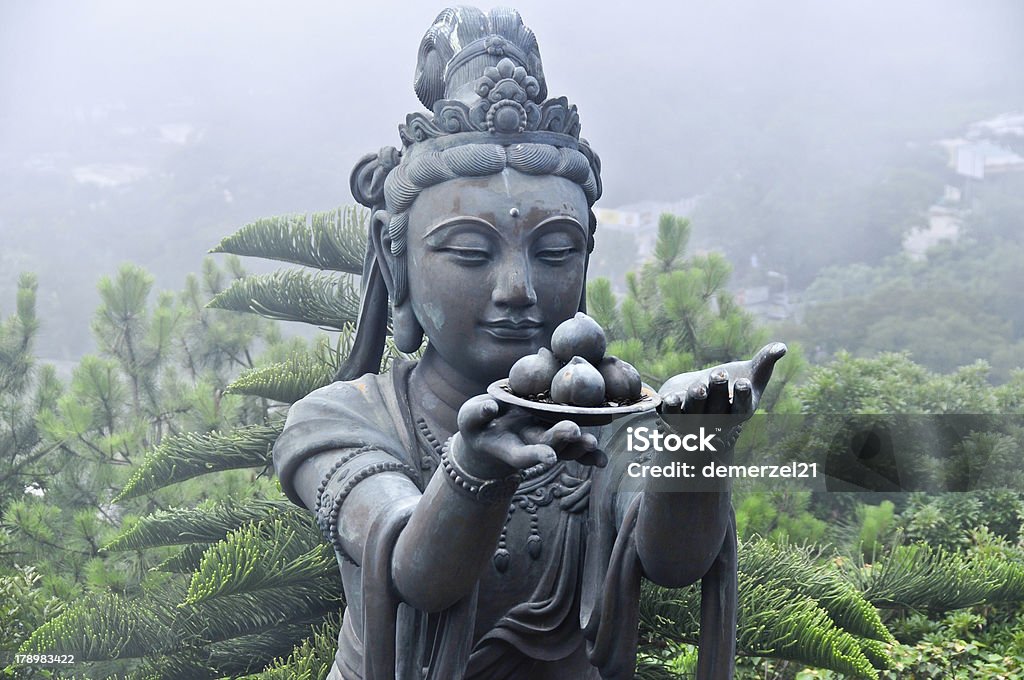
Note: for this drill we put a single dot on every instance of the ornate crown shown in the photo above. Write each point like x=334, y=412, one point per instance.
x=504, y=105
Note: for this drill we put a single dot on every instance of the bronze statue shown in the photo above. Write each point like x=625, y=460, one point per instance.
x=474, y=540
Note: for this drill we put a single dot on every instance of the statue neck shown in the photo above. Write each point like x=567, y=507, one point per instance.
x=438, y=391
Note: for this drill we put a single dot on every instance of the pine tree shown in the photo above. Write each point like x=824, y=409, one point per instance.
x=25, y=390
x=162, y=372
x=678, y=316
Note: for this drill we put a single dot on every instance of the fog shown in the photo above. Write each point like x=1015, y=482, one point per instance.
x=147, y=131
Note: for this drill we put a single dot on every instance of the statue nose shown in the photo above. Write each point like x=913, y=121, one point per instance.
x=514, y=288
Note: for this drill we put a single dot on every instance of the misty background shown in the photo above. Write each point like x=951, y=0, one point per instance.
x=801, y=137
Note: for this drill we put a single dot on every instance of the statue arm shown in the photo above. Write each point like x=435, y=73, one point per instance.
x=679, y=534
x=340, y=457
x=439, y=554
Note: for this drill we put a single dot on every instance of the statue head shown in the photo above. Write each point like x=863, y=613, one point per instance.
x=480, y=226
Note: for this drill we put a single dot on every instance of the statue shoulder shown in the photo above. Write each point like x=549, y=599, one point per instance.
x=353, y=414
x=357, y=398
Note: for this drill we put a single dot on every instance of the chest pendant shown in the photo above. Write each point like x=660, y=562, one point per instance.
x=541, y=486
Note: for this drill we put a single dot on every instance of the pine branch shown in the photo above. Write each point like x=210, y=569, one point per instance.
x=186, y=560
x=192, y=454
x=251, y=653
x=206, y=523
x=788, y=566
x=106, y=627
x=320, y=299
x=310, y=660
x=290, y=380
x=920, y=577
x=231, y=616
x=783, y=624
x=232, y=657
x=334, y=240
x=269, y=554
x=791, y=606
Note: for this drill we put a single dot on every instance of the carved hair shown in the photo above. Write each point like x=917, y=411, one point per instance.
x=455, y=50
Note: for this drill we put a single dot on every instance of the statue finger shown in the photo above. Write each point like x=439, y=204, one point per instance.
x=718, y=392
x=763, y=363
x=672, y=404
x=522, y=457
x=561, y=434
x=742, y=398
x=477, y=413
x=578, y=448
x=696, y=399
x=596, y=458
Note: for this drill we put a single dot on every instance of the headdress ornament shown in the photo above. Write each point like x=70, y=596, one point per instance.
x=508, y=109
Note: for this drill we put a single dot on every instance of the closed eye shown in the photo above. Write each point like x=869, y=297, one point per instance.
x=471, y=257
x=556, y=256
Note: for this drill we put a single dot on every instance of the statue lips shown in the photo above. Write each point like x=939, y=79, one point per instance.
x=512, y=329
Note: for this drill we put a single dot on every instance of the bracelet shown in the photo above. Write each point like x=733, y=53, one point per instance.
x=486, y=490
x=329, y=504
x=345, y=458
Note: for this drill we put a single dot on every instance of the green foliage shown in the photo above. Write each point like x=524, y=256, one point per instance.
x=924, y=578
x=25, y=391
x=778, y=516
x=792, y=627
x=268, y=555
x=251, y=576
x=108, y=627
x=24, y=606
x=876, y=521
x=310, y=660
x=259, y=585
x=966, y=645
x=334, y=240
x=956, y=307
x=793, y=604
x=302, y=372
x=191, y=454
x=206, y=523
x=949, y=520
x=320, y=299
x=892, y=383
x=810, y=574
x=164, y=365
x=676, y=315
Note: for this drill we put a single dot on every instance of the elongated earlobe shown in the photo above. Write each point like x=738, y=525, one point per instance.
x=407, y=331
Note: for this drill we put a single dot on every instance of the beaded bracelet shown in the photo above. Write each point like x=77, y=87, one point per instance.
x=328, y=505
x=345, y=458
x=486, y=490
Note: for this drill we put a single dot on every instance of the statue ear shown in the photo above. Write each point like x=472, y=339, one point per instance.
x=407, y=331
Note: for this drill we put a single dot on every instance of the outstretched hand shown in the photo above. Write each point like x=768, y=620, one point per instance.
x=734, y=389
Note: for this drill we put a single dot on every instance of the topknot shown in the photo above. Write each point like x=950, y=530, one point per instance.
x=462, y=42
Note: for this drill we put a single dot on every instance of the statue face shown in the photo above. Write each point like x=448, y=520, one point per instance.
x=494, y=265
